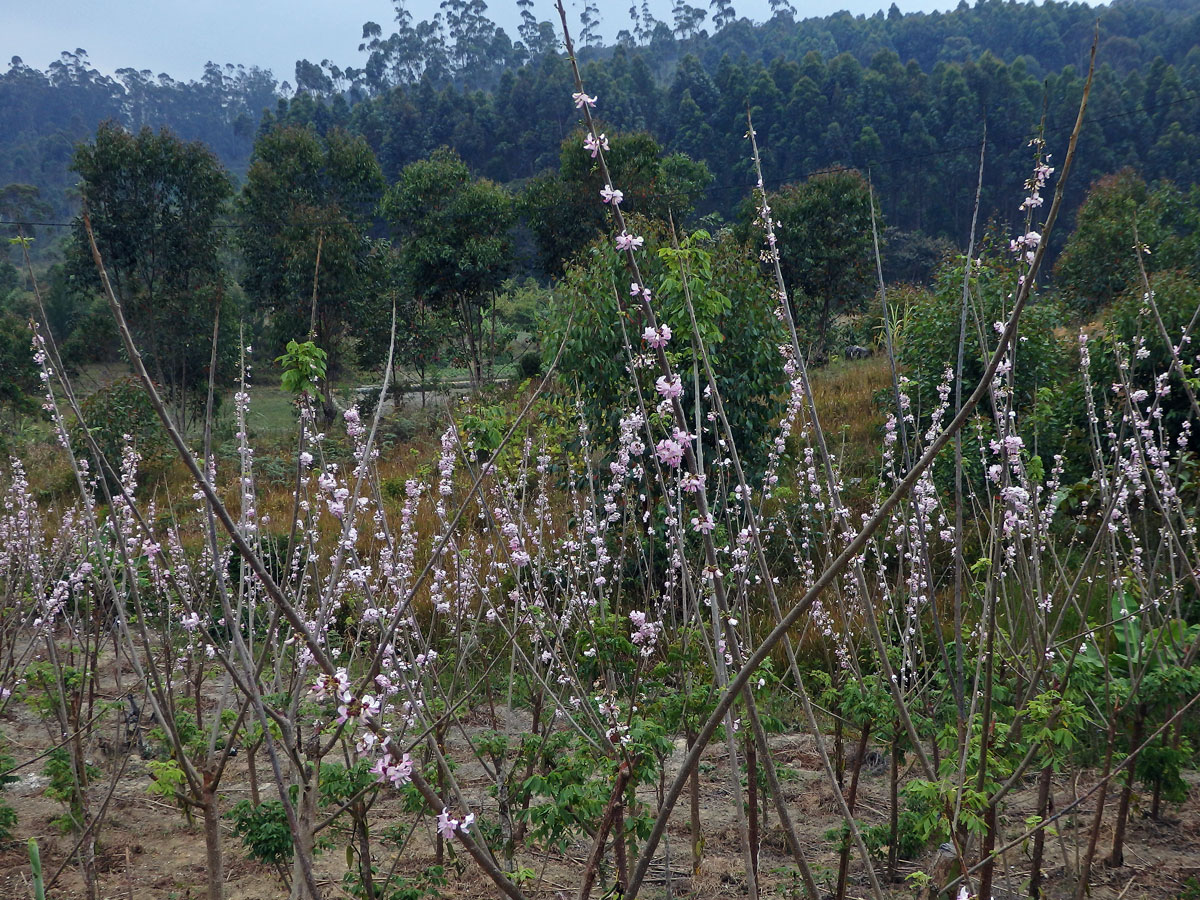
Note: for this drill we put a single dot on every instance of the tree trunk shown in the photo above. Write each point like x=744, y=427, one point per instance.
x=694, y=819
x=894, y=806
x=364, y=850
x=212, y=840
x=852, y=796
x=839, y=752
x=619, y=850
x=473, y=352
x=1039, y=839
x=1116, y=857
x=1085, y=872
x=303, y=841
x=252, y=771
x=988, y=872
x=752, y=798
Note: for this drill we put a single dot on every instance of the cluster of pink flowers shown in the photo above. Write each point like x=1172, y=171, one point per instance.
x=594, y=145
x=389, y=768
x=657, y=338
x=337, y=684
x=446, y=826
x=669, y=388
x=363, y=710
x=645, y=633
x=1041, y=174
x=670, y=452
x=1026, y=245
x=627, y=241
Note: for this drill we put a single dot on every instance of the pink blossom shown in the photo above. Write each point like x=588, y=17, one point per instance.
x=657, y=337
x=627, y=241
x=445, y=824
x=669, y=388
x=670, y=452
x=609, y=194
x=581, y=100
x=594, y=144
x=368, y=707
x=645, y=633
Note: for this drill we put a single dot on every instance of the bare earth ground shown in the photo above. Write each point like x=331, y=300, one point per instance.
x=148, y=850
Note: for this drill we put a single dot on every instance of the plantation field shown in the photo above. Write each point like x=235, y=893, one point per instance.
x=150, y=851
x=785, y=555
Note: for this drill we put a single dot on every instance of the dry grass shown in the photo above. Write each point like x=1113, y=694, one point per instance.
x=844, y=392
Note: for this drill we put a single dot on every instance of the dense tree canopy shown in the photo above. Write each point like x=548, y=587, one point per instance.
x=1100, y=261
x=455, y=246
x=305, y=207
x=561, y=206
x=154, y=202
x=826, y=251
x=902, y=95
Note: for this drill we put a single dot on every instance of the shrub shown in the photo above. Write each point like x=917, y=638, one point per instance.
x=122, y=408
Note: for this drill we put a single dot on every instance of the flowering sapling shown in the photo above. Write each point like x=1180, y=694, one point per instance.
x=304, y=366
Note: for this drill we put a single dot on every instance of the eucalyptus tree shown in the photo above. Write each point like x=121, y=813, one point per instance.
x=826, y=260
x=155, y=205
x=455, y=246
x=305, y=213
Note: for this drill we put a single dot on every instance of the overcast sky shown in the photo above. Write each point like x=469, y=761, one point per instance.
x=178, y=37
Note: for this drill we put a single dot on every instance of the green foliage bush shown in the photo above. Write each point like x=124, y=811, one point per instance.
x=263, y=829
x=928, y=345
x=1100, y=262
x=66, y=788
x=19, y=382
x=734, y=312
x=8, y=815
x=122, y=408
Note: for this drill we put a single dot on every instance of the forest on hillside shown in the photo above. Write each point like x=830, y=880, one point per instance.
x=903, y=96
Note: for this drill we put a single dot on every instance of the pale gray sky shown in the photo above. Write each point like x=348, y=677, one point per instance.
x=178, y=37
